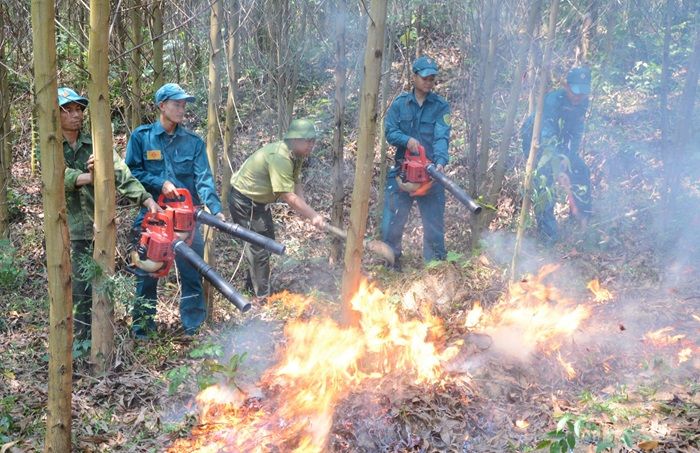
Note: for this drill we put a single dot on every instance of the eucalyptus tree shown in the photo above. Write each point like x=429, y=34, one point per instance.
x=369, y=94
x=60, y=372
x=5, y=128
x=102, y=346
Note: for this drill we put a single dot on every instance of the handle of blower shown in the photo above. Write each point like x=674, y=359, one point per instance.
x=236, y=298
x=453, y=188
x=238, y=231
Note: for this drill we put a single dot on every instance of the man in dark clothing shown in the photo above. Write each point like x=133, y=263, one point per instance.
x=417, y=118
x=80, y=199
x=271, y=173
x=563, y=120
x=164, y=156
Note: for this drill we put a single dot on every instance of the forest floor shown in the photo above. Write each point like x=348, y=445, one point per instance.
x=626, y=378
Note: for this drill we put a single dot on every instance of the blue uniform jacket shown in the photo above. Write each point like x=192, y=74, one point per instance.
x=562, y=123
x=429, y=124
x=154, y=157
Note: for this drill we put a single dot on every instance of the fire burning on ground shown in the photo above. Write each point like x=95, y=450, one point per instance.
x=322, y=363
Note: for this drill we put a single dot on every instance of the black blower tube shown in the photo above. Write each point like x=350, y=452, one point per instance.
x=453, y=188
x=206, y=271
x=238, y=231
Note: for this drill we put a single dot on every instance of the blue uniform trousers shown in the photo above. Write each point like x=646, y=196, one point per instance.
x=397, y=207
x=192, y=308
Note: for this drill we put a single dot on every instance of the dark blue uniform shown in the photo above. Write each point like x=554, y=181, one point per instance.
x=430, y=125
x=154, y=156
x=562, y=129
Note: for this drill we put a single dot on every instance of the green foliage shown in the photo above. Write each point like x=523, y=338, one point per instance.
x=12, y=273
x=15, y=202
x=176, y=378
x=207, y=350
x=213, y=371
x=7, y=426
x=569, y=430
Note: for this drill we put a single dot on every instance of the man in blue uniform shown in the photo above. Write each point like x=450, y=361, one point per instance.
x=417, y=118
x=164, y=156
x=558, y=160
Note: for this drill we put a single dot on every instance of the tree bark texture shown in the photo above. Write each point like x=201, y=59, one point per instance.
x=232, y=64
x=213, y=132
x=135, y=66
x=58, y=418
x=537, y=128
x=104, y=185
x=365, y=155
x=340, y=73
x=156, y=36
x=5, y=149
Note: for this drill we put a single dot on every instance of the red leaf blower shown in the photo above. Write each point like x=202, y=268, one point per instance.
x=169, y=233
x=417, y=174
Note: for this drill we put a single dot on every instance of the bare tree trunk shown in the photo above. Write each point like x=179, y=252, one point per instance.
x=58, y=418
x=5, y=149
x=419, y=30
x=365, y=155
x=586, y=29
x=482, y=159
x=385, y=101
x=340, y=18
x=156, y=32
x=514, y=98
x=135, y=67
x=537, y=129
x=213, y=132
x=104, y=185
x=232, y=53
x=664, y=122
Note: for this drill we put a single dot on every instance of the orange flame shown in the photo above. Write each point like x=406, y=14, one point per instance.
x=568, y=368
x=321, y=364
x=662, y=337
x=474, y=316
x=534, y=315
x=601, y=294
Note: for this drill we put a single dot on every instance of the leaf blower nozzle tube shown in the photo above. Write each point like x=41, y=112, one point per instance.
x=201, y=266
x=454, y=189
x=238, y=231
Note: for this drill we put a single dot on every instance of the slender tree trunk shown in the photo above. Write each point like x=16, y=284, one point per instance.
x=104, y=185
x=665, y=77
x=135, y=66
x=482, y=159
x=5, y=129
x=537, y=129
x=232, y=52
x=385, y=101
x=156, y=36
x=213, y=132
x=514, y=98
x=365, y=155
x=340, y=19
x=58, y=418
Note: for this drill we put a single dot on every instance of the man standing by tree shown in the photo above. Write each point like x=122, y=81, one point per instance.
x=80, y=200
x=271, y=173
x=563, y=120
x=164, y=156
x=417, y=118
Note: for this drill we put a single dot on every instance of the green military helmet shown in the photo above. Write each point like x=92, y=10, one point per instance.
x=301, y=128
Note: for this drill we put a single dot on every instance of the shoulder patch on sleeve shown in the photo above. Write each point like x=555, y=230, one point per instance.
x=446, y=118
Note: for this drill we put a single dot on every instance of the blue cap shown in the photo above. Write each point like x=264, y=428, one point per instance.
x=425, y=66
x=579, y=80
x=67, y=95
x=172, y=92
